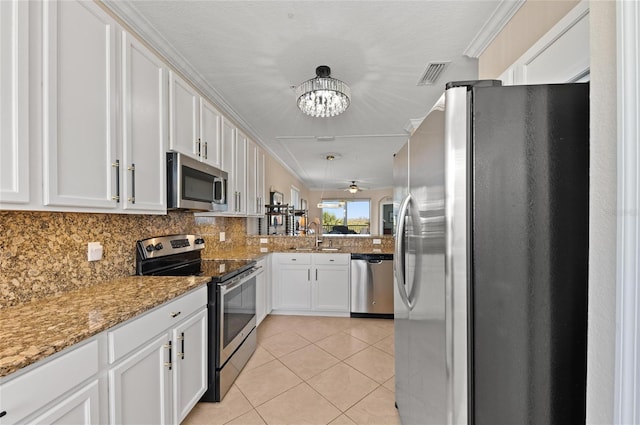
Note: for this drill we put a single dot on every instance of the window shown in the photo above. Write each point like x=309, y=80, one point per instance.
x=346, y=217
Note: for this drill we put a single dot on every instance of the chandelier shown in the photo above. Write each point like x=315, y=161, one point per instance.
x=323, y=96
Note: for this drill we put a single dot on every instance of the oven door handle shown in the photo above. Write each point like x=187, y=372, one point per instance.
x=236, y=282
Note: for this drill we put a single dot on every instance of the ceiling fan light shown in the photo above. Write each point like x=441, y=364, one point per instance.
x=353, y=189
x=323, y=96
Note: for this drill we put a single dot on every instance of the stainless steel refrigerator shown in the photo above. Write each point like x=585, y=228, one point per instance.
x=491, y=257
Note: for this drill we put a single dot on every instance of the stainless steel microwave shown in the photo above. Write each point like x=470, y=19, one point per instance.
x=194, y=185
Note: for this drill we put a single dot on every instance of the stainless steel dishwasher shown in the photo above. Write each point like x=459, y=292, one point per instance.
x=372, y=285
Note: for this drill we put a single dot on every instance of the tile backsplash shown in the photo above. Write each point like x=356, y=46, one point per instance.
x=45, y=253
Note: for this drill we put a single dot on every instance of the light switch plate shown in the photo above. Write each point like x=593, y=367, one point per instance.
x=222, y=237
x=264, y=240
x=377, y=241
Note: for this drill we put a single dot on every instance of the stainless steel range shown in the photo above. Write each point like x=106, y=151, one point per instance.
x=231, y=305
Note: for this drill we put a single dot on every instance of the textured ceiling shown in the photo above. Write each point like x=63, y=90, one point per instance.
x=251, y=54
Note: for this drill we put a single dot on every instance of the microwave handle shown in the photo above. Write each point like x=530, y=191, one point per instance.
x=223, y=189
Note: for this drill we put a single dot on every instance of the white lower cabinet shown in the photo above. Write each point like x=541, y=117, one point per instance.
x=80, y=407
x=263, y=290
x=61, y=390
x=151, y=369
x=139, y=386
x=190, y=364
x=311, y=283
x=158, y=382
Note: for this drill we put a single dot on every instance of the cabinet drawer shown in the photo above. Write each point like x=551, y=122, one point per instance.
x=133, y=333
x=294, y=258
x=331, y=259
x=27, y=393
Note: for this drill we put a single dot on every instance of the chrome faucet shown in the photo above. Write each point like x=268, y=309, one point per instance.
x=318, y=241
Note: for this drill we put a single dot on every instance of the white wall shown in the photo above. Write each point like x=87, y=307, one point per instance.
x=602, y=210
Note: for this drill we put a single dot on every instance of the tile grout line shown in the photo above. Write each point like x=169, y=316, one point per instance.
x=342, y=330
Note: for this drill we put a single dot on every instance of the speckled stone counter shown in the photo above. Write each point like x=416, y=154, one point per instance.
x=32, y=331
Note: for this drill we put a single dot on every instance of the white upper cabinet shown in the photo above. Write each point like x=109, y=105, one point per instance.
x=255, y=179
x=210, y=145
x=183, y=116
x=79, y=111
x=194, y=123
x=14, y=98
x=234, y=162
x=228, y=136
x=104, y=114
x=240, y=173
x=144, y=100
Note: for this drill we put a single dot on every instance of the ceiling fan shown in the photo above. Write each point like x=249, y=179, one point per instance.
x=354, y=188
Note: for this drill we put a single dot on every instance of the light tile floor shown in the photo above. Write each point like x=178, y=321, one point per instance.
x=312, y=370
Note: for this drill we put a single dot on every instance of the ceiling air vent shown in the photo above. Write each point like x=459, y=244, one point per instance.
x=431, y=74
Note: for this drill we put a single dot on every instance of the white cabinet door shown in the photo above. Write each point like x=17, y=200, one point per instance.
x=261, y=297
x=79, y=110
x=268, y=285
x=144, y=103
x=183, y=116
x=210, y=143
x=260, y=170
x=331, y=288
x=190, y=378
x=294, y=288
x=228, y=137
x=240, y=173
x=252, y=168
x=81, y=407
x=255, y=179
x=139, y=391
x=14, y=101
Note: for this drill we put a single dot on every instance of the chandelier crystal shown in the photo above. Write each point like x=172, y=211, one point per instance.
x=323, y=96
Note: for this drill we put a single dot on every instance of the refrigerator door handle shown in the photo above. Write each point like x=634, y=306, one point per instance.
x=399, y=256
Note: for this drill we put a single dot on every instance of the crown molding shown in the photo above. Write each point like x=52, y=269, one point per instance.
x=496, y=22
x=130, y=16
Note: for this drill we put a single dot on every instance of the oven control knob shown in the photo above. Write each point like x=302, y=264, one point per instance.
x=150, y=248
x=198, y=241
x=158, y=247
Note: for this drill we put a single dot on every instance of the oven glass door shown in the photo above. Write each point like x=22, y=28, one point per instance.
x=237, y=316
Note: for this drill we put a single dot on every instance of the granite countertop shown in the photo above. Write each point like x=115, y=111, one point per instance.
x=37, y=329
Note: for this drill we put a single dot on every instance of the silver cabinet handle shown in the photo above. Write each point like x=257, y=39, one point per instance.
x=309, y=274
x=175, y=313
x=198, y=147
x=316, y=274
x=206, y=150
x=116, y=165
x=132, y=198
x=181, y=339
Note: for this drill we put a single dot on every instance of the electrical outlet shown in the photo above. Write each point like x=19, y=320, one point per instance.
x=264, y=240
x=94, y=251
x=263, y=249
x=222, y=237
x=377, y=241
